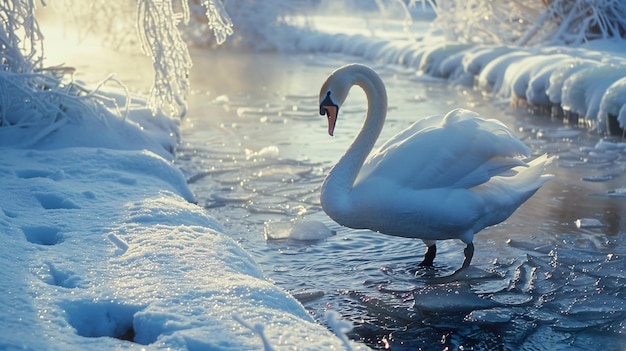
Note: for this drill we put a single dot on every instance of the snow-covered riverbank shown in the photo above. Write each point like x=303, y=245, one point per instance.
x=104, y=249
x=585, y=85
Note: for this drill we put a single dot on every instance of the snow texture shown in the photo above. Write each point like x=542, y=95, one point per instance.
x=104, y=249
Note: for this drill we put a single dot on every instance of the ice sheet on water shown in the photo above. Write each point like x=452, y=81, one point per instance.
x=570, y=285
x=604, y=144
x=559, y=133
x=599, y=178
x=297, y=230
x=490, y=316
x=450, y=298
x=512, y=299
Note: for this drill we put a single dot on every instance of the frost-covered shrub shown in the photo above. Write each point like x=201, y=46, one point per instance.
x=47, y=98
x=529, y=23
x=31, y=95
x=157, y=24
x=21, y=46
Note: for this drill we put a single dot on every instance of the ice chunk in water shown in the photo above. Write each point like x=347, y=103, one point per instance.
x=588, y=223
x=298, y=230
x=266, y=152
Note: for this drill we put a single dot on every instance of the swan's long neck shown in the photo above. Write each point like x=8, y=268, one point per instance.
x=340, y=180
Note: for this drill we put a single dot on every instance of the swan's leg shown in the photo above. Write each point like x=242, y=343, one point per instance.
x=469, y=253
x=429, y=257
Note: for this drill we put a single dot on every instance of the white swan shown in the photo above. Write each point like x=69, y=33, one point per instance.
x=444, y=177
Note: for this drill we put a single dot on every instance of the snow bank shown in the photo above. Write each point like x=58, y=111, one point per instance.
x=84, y=126
x=104, y=249
x=581, y=80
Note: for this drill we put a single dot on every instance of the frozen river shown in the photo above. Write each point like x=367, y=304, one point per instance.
x=255, y=151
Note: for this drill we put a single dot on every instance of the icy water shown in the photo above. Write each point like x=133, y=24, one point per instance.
x=551, y=277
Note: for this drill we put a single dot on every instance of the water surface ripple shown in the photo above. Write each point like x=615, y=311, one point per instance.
x=553, y=276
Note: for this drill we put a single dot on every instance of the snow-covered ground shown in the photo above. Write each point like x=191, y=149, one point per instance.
x=103, y=244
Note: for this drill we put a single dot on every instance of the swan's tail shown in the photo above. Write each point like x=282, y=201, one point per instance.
x=504, y=194
x=529, y=179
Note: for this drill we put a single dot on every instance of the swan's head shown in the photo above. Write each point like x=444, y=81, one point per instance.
x=333, y=94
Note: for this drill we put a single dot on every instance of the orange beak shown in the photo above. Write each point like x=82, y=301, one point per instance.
x=331, y=113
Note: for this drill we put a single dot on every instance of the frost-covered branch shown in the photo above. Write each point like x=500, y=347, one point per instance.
x=21, y=45
x=530, y=23
x=257, y=329
x=161, y=40
x=31, y=95
x=42, y=99
x=580, y=21
x=259, y=25
x=219, y=21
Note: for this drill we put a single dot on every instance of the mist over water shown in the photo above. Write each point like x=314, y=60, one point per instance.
x=255, y=152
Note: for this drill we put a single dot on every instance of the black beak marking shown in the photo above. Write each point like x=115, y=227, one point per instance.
x=327, y=102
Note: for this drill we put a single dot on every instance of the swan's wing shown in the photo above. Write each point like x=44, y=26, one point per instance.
x=457, y=150
x=421, y=125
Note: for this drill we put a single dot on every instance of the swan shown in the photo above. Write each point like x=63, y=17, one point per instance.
x=444, y=177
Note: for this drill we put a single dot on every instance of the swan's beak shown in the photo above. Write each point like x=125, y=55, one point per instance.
x=331, y=110
x=331, y=113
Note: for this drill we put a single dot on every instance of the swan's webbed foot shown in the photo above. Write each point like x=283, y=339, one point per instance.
x=429, y=257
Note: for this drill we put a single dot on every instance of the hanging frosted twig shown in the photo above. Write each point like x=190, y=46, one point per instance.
x=219, y=21
x=161, y=40
x=21, y=45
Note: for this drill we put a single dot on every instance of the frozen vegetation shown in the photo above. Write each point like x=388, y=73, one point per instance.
x=572, y=66
x=103, y=244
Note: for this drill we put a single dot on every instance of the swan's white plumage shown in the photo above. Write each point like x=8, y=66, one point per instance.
x=444, y=177
x=468, y=150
